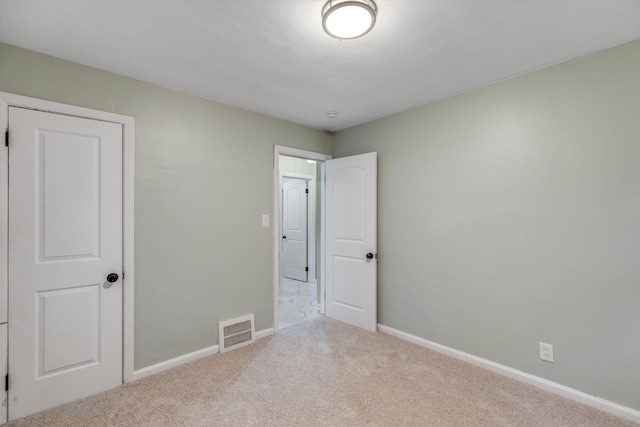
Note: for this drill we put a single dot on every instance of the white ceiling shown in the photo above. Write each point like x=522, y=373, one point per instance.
x=272, y=57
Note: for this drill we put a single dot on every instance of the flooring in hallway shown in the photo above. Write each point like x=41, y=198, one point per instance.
x=297, y=301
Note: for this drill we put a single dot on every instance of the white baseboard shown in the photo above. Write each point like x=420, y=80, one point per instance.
x=559, y=389
x=265, y=333
x=176, y=361
x=189, y=357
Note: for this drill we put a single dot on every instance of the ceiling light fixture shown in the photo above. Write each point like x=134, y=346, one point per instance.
x=348, y=19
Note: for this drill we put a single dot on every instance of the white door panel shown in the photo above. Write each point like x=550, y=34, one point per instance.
x=294, y=228
x=65, y=237
x=351, y=234
x=68, y=171
x=351, y=271
x=68, y=339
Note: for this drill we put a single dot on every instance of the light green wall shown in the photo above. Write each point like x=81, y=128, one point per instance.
x=510, y=215
x=203, y=180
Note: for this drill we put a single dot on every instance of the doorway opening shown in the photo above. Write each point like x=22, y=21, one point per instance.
x=298, y=288
x=299, y=293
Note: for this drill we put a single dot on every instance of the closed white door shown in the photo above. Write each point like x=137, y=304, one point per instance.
x=351, y=240
x=65, y=239
x=294, y=228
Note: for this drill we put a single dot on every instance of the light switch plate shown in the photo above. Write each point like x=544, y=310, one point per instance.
x=265, y=220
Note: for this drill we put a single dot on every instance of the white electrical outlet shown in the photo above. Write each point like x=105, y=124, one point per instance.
x=265, y=220
x=546, y=352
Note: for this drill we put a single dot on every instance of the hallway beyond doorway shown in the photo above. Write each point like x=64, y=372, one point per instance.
x=297, y=302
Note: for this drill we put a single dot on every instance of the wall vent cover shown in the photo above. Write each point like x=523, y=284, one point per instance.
x=235, y=333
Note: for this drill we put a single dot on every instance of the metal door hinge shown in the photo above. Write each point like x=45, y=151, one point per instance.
x=6, y=138
x=306, y=269
x=6, y=382
x=306, y=190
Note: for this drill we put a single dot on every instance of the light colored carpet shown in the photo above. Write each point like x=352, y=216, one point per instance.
x=325, y=373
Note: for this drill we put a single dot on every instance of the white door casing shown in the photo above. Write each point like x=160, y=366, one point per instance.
x=294, y=228
x=3, y=364
x=4, y=187
x=351, y=240
x=65, y=237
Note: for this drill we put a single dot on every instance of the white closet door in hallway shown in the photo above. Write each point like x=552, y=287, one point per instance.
x=294, y=228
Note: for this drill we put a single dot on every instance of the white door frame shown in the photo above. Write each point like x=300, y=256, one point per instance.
x=127, y=122
x=311, y=218
x=279, y=150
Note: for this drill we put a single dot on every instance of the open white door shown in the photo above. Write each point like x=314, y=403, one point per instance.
x=65, y=246
x=351, y=240
x=294, y=228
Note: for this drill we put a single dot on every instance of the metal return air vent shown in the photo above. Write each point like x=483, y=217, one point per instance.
x=235, y=333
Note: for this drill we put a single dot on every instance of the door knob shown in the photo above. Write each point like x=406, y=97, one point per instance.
x=284, y=237
x=369, y=256
x=112, y=277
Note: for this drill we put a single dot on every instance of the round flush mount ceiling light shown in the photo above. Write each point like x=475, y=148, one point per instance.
x=348, y=19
